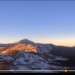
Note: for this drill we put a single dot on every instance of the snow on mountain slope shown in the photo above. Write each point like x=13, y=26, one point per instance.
x=27, y=61
x=60, y=58
x=27, y=55
x=44, y=48
x=32, y=61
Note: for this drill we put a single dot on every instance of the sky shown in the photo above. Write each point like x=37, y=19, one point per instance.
x=39, y=21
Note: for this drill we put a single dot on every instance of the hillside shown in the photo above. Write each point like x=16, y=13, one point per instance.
x=27, y=55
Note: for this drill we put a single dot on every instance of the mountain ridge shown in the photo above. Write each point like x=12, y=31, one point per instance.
x=28, y=55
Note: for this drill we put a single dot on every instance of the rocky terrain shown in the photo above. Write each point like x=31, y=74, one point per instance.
x=27, y=55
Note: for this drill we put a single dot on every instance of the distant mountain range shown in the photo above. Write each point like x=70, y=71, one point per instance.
x=28, y=55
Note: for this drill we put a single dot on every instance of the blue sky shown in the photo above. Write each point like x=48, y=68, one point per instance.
x=39, y=21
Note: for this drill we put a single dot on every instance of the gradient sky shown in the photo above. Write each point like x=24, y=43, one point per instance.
x=39, y=21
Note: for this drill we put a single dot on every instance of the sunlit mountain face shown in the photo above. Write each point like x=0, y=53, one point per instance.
x=28, y=55
x=19, y=47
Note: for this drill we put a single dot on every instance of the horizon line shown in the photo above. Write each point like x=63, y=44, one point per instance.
x=57, y=43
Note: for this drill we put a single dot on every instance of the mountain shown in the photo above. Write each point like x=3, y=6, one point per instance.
x=26, y=41
x=28, y=55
